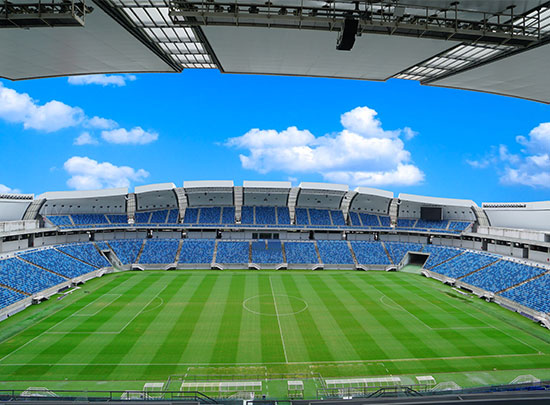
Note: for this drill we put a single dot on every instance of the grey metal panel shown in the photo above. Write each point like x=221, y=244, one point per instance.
x=156, y=199
x=268, y=198
x=102, y=46
x=524, y=75
x=13, y=210
x=313, y=53
x=100, y=205
x=370, y=203
x=534, y=215
x=209, y=198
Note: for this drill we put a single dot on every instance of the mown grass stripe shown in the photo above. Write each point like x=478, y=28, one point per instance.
x=317, y=349
x=202, y=340
x=381, y=324
x=177, y=336
x=272, y=348
x=250, y=339
x=163, y=314
x=21, y=338
x=365, y=346
x=417, y=339
x=337, y=342
x=51, y=348
x=123, y=342
x=227, y=340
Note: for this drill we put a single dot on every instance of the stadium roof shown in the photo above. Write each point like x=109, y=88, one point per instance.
x=499, y=47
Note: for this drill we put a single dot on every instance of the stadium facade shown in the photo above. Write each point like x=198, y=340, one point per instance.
x=499, y=251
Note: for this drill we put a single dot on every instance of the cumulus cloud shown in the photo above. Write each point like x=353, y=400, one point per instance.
x=530, y=168
x=49, y=117
x=363, y=153
x=7, y=190
x=54, y=115
x=135, y=136
x=87, y=174
x=101, y=123
x=85, y=139
x=102, y=80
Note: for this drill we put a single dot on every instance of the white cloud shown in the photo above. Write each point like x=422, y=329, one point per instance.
x=102, y=80
x=87, y=174
x=403, y=175
x=363, y=153
x=85, y=139
x=538, y=139
x=530, y=168
x=50, y=117
x=409, y=133
x=7, y=190
x=135, y=136
x=54, y=115
x=101, y=123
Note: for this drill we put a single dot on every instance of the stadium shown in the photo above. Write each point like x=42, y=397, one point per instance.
x=226, y=292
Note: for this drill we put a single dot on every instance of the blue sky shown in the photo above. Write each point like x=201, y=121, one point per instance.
x=203, y=125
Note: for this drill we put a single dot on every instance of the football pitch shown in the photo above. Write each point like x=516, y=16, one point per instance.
x=124, y=329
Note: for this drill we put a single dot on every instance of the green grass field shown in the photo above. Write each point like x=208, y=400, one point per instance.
x=124, y=329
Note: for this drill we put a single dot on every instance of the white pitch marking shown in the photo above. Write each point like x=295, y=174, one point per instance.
x=278, y=320
x=77, y=313
x=282, y=363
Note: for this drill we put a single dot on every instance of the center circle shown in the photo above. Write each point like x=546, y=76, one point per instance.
x=275, y=305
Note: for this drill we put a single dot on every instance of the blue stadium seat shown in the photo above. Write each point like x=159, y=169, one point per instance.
x=369, y=219
x=142, y=217
x=8, y=297
x=301, y=216
x=210, y=215
x=334, y=252
x=319, y=217
x=158, y=217
x=197, y=251
x=354, y=218
x=501, y=275
x=533, y=294
x=337, y=218
x=89, y=219
x=58, y=262
x=267, y=251
x=232, y=252
x=463, y=264
x=247, y=215
x=228, y=215
x=385, y=220
x=126, y=249
x=405, y=223
x=398, y=250
x=117, y=218
x=191, y=216
x=283, y=216
x=173, y=216
x=301, y=253
x=265, y=216
x=22, y=276
x=459, y=225
x=85, y=252
x=367, y=252
x=159, y=251
x=60, y=220
x=439, y=254
x=431, y=224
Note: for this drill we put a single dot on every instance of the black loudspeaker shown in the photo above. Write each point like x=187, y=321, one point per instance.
x=346, y=38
